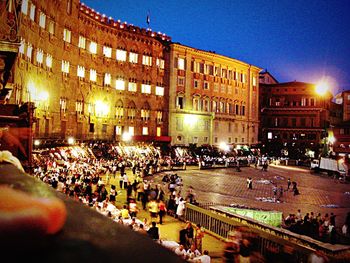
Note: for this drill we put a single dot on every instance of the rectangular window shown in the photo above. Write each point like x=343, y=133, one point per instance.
x=24, y=7
x=160, y=63
x=243, y=110
x=121, y=55
x=42, y=20
x=254, y=81
x=146, y=88
x=48, y=61
x=206, y=85
x=229, y=89
x=159, y=131
x=104, y=128
x=132, y=86
x=196, y=67
x=29, y=52
x=67, y=35
x=79, y=106
x=51, y=27
x=21, y=47
x=144, y=130
x=223, y=89
x=131, y=130
x=107, y=79
x=65, y=66
x=159, y=116
x=120, y=84
x=107, y=51
x=118, y=130
x=195, y=84
x=119, y=112
x=159, y=91
x=181, y=81
x=93, y=75
x=32, y=12
x=133, y=57
x=93, y=47
x=82, y=42
x=80, y=71
x=181, y=63
x=39, y=56
x=63, y=104
x=146, y=60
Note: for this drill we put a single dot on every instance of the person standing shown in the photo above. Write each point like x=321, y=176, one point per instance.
x=288, y=184
x=162, y=211
x=199, y=237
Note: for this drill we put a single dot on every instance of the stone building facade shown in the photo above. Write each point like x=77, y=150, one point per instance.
x=90, y=77
x=294, y=118
x=213, y=98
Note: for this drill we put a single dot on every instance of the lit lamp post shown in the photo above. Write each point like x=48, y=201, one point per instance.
x=321, y=89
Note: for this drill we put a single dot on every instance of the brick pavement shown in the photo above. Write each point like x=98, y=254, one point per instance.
x=226, y=186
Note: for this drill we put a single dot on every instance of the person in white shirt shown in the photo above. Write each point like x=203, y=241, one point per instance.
x=205, y=258
x=180, y=251
x=193, y=252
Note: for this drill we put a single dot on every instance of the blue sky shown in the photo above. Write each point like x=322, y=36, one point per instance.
x=294, y=40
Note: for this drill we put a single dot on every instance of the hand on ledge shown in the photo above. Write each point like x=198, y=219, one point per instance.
x=23, y=214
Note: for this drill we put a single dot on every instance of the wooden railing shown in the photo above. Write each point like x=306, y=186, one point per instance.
x=269, y=236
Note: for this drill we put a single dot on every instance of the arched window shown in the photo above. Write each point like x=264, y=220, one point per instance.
x=131, y=110
x=119, y=109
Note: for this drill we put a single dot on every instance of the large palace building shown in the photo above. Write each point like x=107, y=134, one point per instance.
x=213, y=98
x=91, y=77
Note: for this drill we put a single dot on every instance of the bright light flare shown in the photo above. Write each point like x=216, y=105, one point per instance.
x=322, y=88
x=71, y=140
x=126, y=137
x=223, y=146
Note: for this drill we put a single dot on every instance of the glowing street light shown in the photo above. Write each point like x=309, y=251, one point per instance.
x=36, y=142
x=126, y=137
x=322, y=88
x=71, y=140
x=223, y=146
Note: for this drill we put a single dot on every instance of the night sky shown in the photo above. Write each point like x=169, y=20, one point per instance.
x=303, y=40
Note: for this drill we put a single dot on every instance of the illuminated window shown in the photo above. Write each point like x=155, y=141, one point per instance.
x=133, y=57
x=146, y=88
x=160, y=63
x=79, y=106
x=29, y=52
x=65, y=66
x=145, y=114
x=181, y=81
x=24, y=7
x=80, y=71
x=131, y=130
x=118, y=130
x=224, y=73
x=39, y=56
x=132, y=86
x=181, y=63
x=82, y=42
x=48, y=61
x=144, y=130
x=120, y=84
x=121, y=55
x=229, y=89
x=254, y=81
x=159, y=91
x=159, y=116
x=107, y=79
x=32, y=12
x=146, y=60
x=93, y=75
x=223, y=89
x=196, y=67
x=67, y=35
x=51, y=27
x=107, y=51
x=63, y=104
x=93, y=47
x=119, y=112
x=216, y=71
x=159, y=131
x=42, y=20
x=21, y=47
x=207, y=69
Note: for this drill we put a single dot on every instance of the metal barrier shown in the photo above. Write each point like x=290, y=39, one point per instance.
x=268, y=236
